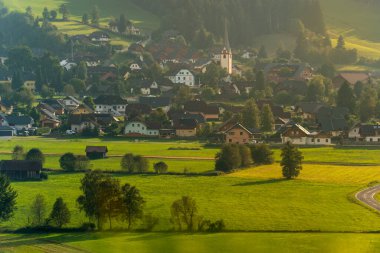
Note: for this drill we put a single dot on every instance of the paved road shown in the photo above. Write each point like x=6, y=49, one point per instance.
x=367, y=196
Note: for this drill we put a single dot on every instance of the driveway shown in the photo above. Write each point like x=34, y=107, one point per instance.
x=367, y=196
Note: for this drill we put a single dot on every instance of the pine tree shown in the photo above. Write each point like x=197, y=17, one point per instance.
x=60, y=214
x=291, y=161
x=341, y=44
x=267, y=119
x=251, y=115
x=346, y=97
x=7, y=199
x=260, y=81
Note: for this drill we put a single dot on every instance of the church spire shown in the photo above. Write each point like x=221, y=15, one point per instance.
x=226, y=37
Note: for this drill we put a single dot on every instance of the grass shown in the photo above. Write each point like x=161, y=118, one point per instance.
x=107, y=10
x=185, y=243
x=357, y=21
x=252, y=200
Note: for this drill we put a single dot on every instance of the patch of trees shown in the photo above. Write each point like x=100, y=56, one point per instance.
x=134, y=163
x=246, y=19
x=185, y=217
x=71, y=162
x=232, y=157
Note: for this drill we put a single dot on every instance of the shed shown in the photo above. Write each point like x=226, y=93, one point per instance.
x=96, y=152
x=21, y=170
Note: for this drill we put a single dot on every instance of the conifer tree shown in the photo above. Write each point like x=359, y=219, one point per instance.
x=267, y=119
x=291, y=161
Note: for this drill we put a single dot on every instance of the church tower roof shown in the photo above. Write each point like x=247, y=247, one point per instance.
x=226, y=36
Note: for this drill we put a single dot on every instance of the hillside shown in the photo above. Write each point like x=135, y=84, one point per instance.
x=109, y=8
x=357, y=21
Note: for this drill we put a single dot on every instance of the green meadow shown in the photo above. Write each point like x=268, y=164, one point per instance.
x=255, y=199
x=187, y=243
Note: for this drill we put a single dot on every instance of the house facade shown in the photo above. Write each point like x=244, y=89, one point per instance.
x=184, y=76
x=110, y=104
x=299, y=135
x=136, y=128
x=238, y=134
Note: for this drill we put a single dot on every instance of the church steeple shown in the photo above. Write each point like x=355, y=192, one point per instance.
x=226, y=54
x=226, y=37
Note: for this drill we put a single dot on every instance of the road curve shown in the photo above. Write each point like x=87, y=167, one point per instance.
x=367, y=197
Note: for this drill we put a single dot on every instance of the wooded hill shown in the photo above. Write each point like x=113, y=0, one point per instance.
x=246, y=19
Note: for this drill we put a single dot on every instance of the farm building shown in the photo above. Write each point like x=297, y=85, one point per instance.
x=96, y=152
x=21, y=170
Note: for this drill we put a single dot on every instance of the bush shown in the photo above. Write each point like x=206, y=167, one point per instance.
x=246, y=156
x=217, y=226
x=232, y=157
x=134, y=163
x=160, y=167
x=67, y=162
x=44, y=176
x=88, y=226
x=261, y=154
x=35, y=155
x=150, y=222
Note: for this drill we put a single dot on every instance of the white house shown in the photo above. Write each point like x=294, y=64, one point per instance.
x=298, y=135
x=67, y=64
x=367, y=133
x=71, y=102
x=136, y=128
x=19, y=122
x=135, y=67
x=99, y=36
x=110, y=104
x=148, y=88
x=184, y=76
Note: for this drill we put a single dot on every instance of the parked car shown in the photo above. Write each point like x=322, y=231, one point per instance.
x=70, y=132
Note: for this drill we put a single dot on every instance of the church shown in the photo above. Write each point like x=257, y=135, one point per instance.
x=226, y=54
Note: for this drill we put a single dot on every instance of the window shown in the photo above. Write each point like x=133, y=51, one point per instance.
x=327, y=140
x=312, y=140
x=370, y=139
x=318, y=140
x=230, y=140
x=231, y=133
x=133, y=125
x=241, y=133
x=143, y=128
x=138, y=125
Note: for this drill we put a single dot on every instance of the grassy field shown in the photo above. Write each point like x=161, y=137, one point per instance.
x=357, y=21
x=107, y=9
x=183, y=243
x=256, y=199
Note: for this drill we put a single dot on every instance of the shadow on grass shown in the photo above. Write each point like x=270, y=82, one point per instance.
x=263, y=182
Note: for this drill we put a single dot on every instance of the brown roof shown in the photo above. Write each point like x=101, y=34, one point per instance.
x=354, y=77
x=96, y=149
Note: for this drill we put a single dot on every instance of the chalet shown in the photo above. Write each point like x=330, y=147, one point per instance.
x=135, y=67
x=184, y=76
x=366, y=133
x=149, y=88
x=96, y=152
x=351, y=78
x=278, y=72
x=185, y=127
x=99, y=36
x=70, y=103
x=137, y=128
x=156, y=102
x=21, y=170
x=279, y=123
x=210, y=112
x=78, y=122
x=49, y=119
x=238, y=134
x=56, y=104
x=332, y=119
x=299, y=135
x=7, y=132
x=308, y=110
x=82, y=109
x=110, y=104
x=20, y=122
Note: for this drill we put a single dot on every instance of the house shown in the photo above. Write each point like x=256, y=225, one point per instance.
x=175, y=116
x=67, y=65
x=299, y=135
x=184, y=76
x=70, y=103
x=279, y=72
x=137, y=128
x=110, y=104
x=78, y=122
x=30, y=85
x=20, y=122
x=149, y=88
x=210, y=112
x=332, y=119
x=308, y=110
x=185, y=127
x=49, y=119
x=238, y=134
x=351, y=78
x=7, y=132
x=99, y=36
x=280, y=122
x=82, y=109
x=57, y=106
x=96, y=152
x=156, y=102
x=135, y=67
x=364, y=132
x=21, y=170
